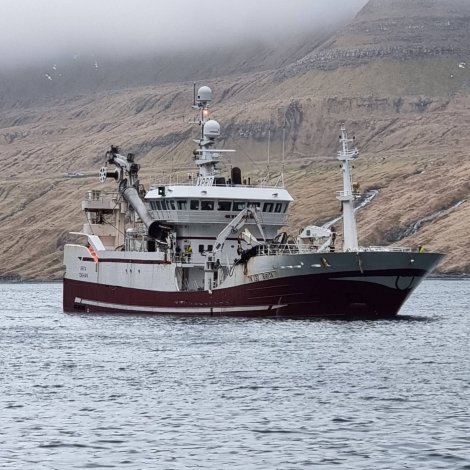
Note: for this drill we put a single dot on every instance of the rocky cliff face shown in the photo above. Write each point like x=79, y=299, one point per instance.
x=396, y=29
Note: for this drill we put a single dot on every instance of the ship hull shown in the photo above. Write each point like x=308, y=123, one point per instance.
x=374, y=293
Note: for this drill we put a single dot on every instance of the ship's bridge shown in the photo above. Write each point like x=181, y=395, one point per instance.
x=218, y=204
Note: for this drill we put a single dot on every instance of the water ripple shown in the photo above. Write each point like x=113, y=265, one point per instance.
x=133, y=392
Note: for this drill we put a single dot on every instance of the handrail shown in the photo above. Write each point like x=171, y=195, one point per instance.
x=155, y=185
x=293, y=248
x=395, y=249
x=97, y=195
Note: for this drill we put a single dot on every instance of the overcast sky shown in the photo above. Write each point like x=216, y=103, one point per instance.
x=32, y=30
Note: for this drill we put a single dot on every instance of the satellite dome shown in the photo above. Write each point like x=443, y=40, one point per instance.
x=204, y=94
x=211, y=129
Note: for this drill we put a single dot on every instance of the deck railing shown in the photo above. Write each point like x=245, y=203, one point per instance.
x=293, y=248
x=95, y=195
x=394, y=249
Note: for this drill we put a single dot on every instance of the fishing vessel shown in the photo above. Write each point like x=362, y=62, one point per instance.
x=215, y=245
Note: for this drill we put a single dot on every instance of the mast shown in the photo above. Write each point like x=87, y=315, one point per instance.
x=206, y=157
x=283, y=153
x=269, y=155
x=346, y=196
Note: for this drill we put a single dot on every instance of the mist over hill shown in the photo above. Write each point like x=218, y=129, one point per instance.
x=63, y=49
x=75, y=75
x=397, y=74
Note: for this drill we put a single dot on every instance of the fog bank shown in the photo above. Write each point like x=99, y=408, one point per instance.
x=32, y=31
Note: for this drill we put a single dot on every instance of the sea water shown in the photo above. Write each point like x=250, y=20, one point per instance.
x=135, y=392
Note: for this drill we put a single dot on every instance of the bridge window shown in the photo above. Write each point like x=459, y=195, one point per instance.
x=238, y=206
x=164, y=207
x=224, y=206
x=253, y=204
x=268, y=207
x=181, y=205
x=207, y=205
x=278, y=207
x=194, y=205
x=171, y=204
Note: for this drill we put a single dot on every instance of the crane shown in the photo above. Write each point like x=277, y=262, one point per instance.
x=211, y=266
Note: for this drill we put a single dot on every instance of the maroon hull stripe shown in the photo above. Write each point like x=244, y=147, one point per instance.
x=301, y=296
x=127, y=261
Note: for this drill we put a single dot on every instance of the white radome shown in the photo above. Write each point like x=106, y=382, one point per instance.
x=204, y=94
x=211, y=129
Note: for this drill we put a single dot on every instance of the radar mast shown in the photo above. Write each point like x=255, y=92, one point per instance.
x=206, y=157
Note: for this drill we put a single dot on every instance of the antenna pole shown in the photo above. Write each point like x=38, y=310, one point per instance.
x=269, y=155
x=283, y=152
